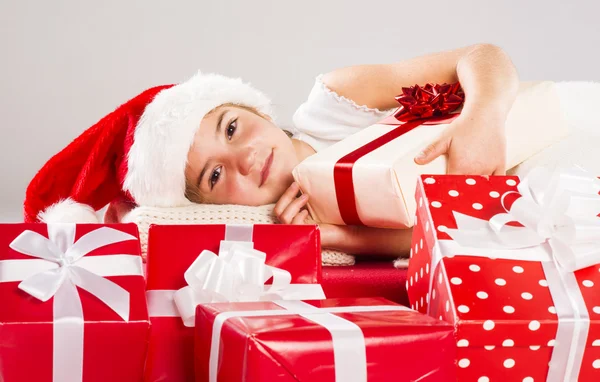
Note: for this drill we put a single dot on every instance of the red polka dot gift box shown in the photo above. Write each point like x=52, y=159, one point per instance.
x=514, y=265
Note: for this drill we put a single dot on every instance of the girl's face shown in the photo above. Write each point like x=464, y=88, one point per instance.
x=239, y=157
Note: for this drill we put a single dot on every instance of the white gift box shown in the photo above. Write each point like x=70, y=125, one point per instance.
x=384, y=180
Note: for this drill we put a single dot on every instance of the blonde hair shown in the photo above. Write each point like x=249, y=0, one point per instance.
x=192, y=192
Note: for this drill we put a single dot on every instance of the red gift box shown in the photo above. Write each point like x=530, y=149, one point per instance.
x=73, y=335
x=172, y=249
x=367, y=278
x=520, y=311
x=329, y=340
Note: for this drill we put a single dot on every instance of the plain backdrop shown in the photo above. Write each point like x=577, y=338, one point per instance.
x=66, y=63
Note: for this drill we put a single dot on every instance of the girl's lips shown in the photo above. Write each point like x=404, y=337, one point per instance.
x=264, y=174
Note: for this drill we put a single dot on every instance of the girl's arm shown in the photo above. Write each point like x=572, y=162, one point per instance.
x=352, y=239
x=475, y=142
x=380, y=242
x=485, y=72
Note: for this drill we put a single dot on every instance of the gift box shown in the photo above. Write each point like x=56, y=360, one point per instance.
x=173, y=251
x=73, y=303
x=329, y=340
x=369, y=178
x=512, y=264
x=367, y=278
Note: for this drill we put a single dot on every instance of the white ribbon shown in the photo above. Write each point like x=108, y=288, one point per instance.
x=559, y=209
x=558, y=213
x=239, y=273
x=59, y=269
x=349, y=350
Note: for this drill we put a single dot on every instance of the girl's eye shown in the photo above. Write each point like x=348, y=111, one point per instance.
x=214, y=177
x=231, y=129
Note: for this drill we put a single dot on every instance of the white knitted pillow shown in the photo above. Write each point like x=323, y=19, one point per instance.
x=215, y=214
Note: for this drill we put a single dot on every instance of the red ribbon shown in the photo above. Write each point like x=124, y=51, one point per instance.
x=429, y=105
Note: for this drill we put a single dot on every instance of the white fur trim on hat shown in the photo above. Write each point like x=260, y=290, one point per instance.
x=68, y=211
x=165, y=132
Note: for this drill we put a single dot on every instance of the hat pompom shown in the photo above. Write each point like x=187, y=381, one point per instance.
x=68, y=211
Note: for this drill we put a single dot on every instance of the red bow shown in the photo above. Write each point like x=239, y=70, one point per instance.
x=429, y=101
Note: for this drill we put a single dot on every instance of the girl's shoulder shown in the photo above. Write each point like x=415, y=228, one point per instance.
x=326, y=117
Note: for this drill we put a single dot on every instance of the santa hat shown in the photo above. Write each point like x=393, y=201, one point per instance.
x=138, y=152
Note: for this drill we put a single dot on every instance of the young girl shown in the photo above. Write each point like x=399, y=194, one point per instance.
x=212, y=139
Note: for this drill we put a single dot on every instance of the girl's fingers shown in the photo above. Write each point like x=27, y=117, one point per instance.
x=288, y=196
x=301, y=217
x=293, y=209
x=433, y=150
x=499, y=171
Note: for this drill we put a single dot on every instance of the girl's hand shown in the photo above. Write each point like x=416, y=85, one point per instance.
x=290, y=207
x=475, y=144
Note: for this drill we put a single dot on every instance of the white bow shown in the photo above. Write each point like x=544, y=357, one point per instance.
x=60, y=250
x=237, y=274
x=557, y=209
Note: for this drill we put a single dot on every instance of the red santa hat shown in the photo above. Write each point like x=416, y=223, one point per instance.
x=137, y=152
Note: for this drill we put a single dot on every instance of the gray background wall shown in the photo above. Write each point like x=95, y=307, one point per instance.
x=66, y=63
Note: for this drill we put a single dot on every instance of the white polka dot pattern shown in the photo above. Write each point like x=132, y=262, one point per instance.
x=462, y=343
x=464, y=363
x=534, y=325
x=526, y=296
x=474, y=267
x=508, y=343
x=508, y=309
x=509, y=363
x=456, y=280
x=463, y=309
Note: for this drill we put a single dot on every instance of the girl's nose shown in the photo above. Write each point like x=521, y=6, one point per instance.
x=246, y=160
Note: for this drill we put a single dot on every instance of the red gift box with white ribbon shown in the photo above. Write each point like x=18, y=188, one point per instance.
x=184, y=270
x=513, y=265
x=349, y=340
x=73, y=304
